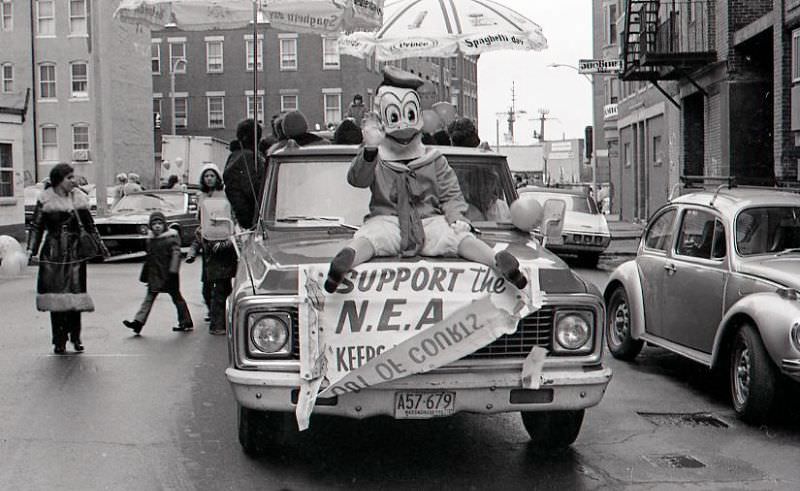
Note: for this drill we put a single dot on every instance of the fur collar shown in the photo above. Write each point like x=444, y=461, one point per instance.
x=51, y=201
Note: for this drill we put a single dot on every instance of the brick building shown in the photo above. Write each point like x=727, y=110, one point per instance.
x=708, y=88
x=214, y=79
x=66, y=56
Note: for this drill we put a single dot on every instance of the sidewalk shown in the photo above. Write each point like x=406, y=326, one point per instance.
x=623, y=230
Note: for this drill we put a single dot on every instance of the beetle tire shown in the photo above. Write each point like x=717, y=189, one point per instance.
x=618, y=338
x=752, y=377
x=553, y=430
x=261, y=432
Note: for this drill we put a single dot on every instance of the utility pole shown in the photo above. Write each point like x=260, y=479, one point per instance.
x=511, y=114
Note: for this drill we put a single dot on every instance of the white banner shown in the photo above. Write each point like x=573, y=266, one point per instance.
x=391, y=320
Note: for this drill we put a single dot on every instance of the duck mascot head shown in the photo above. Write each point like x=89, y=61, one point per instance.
x=400, y=111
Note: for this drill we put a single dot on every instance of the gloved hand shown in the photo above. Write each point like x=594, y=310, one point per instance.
x=372, y=129
x=460, y=226
x=190, y=259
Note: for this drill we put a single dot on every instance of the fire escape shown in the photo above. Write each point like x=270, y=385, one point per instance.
x=667, y=40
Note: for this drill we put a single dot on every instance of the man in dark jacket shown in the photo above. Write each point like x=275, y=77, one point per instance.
x=244, y=175
x=160, y=272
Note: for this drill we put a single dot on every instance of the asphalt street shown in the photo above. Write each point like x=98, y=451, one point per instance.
x=155, y=412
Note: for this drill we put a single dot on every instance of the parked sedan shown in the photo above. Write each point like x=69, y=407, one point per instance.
x=585, y=232
x=125, y=229
x=716, y=279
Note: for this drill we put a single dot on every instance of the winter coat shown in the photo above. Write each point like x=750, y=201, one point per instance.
x=219, y=256
x=244, y=180
x=61, y=283
x=161, y=267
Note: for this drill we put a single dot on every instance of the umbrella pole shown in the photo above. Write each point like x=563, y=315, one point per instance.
x=256, y=45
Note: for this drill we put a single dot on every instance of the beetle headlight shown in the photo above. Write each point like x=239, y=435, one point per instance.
x=573, y=332
x=795, y=335
x=269, y=333
x=143, y=229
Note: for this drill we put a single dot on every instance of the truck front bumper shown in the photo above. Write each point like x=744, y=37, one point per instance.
x=476, y=392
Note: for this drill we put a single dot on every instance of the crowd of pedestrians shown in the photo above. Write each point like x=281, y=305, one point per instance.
x=228, y=199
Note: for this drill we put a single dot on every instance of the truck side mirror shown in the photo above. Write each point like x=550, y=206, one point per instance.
x=553, y=221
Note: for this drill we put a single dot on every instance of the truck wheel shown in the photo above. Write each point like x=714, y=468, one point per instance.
x=553, y=430
x=262, y=431
x=752, y=377
x=618, y=327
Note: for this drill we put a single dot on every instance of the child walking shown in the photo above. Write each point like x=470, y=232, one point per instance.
x=160, y=272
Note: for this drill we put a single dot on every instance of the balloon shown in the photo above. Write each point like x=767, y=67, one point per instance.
x=12, y=258
x=526, y=213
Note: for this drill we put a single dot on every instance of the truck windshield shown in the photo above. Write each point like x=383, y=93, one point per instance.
x=320, y=189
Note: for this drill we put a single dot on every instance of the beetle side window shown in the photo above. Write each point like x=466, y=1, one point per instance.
x=719, y=249
x=696, y=236
x=659, y=235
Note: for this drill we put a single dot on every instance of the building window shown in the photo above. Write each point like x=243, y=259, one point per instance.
x=7, y=74
x=288, y=54
x=214, y=57
x=80, y=136
x=157, y=113
x=626, y=154
x=6, y=15
x=611, y=24
x=77, y=16
x=249, y=108
x=177, y=51
x=181, y=111
x=49, y=143
x=80, y=79
x=155, y=58
x=289, y=103
x=47, y=81
x=45, y=18
x=216, y=111
x=330, y=54
x=249, y=53
x=333, y=108
x=656, y=153
x=796, y=55
x=6, y=171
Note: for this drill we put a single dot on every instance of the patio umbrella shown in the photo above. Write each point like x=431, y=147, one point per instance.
x=444, y=28
x=310, y=16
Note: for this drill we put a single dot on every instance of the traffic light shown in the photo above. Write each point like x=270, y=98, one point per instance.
x=588, y=141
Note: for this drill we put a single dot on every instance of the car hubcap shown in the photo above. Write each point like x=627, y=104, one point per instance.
x=742, y=375
x=620, y=323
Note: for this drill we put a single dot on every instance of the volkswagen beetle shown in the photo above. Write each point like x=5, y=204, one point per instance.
x=716, y=280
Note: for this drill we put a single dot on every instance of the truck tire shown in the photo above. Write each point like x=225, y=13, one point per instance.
x=753, y=377
x=553, y=430
x=618, y=327
x=261, y=432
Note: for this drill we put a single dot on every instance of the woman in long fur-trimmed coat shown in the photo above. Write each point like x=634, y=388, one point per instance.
x=61, y=284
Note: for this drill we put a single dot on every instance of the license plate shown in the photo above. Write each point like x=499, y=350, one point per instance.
x=423, y=405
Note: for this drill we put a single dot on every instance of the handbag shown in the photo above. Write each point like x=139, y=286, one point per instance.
x=87, y=247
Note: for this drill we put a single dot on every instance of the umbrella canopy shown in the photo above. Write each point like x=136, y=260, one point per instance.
x=314, y=16
x=443, y=28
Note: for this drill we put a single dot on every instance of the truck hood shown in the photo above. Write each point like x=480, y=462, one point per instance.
x=274, y=262
x=782, y=269
x=577, y=222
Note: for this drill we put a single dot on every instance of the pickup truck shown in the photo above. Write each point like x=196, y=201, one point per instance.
x=308, y=213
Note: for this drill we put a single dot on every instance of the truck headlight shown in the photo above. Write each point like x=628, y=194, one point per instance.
x=573, y=332
x=269, y=332
x=143, y=229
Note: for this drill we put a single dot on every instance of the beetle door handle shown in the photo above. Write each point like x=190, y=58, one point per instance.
x=671, y=269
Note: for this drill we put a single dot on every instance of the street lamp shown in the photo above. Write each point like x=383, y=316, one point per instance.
x=593, y=160
x=173, y=69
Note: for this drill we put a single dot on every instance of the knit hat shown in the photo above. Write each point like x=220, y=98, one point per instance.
x=294, y=124
x=157, y=215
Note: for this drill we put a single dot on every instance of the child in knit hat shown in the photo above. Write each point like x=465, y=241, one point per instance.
x=160, y=272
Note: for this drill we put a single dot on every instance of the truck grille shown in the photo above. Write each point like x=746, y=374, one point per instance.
x=533, y=330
